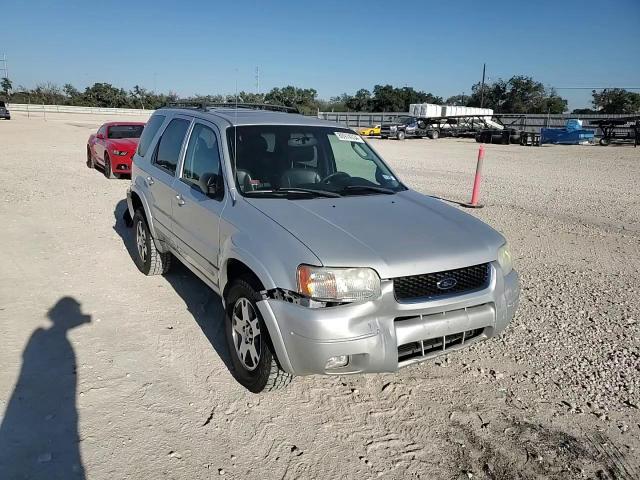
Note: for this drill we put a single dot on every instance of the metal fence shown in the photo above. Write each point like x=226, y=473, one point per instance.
x=531, y=122
x=43, y=109
x=360, y=119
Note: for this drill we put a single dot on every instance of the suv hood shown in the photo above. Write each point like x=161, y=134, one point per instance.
x=397, y=235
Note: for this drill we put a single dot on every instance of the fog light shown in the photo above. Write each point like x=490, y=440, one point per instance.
x=337, y=362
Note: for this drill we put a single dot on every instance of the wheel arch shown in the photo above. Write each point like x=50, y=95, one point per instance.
x=136, y=201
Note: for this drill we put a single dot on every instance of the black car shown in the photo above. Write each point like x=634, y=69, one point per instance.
x=4, y=111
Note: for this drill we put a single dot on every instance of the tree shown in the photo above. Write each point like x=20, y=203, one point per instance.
x=457, y=100
x=616, y=100
x=6, y=85
x=106, y=95
x=583, y=111
x=360, y=102
x=520, y=94
x=390, y=99
x=304, y=99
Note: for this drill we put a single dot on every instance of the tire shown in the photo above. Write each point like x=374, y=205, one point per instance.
x=90, y=162
x=245, y=330
x=149, y=259
x=433, y=134
x=108, y=172
x=401, y=135
x=604, y=141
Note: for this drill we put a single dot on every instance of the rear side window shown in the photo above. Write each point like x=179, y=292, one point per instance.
x=170, y=145
x=149, y=132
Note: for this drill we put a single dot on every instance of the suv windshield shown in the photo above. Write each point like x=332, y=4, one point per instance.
x=302, y=160
x=125, y=131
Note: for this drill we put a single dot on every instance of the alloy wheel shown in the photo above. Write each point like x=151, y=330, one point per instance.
x=245, y=326
x=141, y=241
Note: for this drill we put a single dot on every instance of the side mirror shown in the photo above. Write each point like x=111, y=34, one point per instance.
x=211, y=185
x=100, y=136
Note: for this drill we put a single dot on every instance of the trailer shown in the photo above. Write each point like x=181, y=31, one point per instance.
x=611, y=132
x=436, y=127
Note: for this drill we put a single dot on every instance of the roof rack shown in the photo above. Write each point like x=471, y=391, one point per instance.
x=204, y=106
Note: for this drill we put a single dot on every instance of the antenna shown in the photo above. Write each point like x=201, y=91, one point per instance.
x=235, y=137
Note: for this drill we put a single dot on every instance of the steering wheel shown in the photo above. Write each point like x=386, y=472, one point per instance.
x=329, y=178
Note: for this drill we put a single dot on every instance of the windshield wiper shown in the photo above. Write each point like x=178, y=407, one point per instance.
x=319, y=193
x=372, y=188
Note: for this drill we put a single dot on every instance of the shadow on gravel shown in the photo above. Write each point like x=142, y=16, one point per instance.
x=39, y=431
x=201, y=301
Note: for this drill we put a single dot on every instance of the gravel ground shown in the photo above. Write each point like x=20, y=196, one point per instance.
x=123, y=376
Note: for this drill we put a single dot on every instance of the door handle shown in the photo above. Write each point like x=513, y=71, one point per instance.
x=180, y=200
x=149, y=181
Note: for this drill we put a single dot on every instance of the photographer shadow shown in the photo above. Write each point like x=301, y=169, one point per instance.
x=39, y=431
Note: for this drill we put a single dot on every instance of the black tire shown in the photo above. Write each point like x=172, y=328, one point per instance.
x=149, y=259
x=266, y=373
x=90, y=161
x=433, y=134
x=604, y=141
x=108, y=172
x=400, y=135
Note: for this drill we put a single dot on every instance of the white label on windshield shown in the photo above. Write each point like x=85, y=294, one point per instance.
x=348, y=137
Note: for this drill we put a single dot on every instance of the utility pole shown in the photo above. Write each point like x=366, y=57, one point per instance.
x=257, y=79
x=484, y=66
x=4, y=69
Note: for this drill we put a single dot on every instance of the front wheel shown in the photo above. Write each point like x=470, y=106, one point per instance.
x=604, y=141
x=108, y=171
x=401, y=135
x=254, y=364
x=90, y=162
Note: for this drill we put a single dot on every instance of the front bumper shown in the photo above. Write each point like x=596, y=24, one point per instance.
x=371, y=333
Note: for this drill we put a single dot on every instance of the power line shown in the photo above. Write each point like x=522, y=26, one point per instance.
x=596, y=88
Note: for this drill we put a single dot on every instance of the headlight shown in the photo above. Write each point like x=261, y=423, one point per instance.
x=121, y=153
x=338, y=284
x=505, y=259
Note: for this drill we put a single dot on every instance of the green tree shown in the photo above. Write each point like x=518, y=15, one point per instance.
x=520, y=94
x=106, y=95
x=362, y=101
x=457, y=100
x=616, y=100
x=304, y=99
x=6, y=86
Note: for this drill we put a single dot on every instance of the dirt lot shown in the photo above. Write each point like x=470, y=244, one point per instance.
x=137, y=365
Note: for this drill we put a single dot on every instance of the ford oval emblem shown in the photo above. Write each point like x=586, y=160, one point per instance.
x=447, y=283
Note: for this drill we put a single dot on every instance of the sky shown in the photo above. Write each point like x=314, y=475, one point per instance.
x=208, y=46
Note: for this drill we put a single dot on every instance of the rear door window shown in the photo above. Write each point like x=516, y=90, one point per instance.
x=150, y=130
x=170, y=144
x=203, y=155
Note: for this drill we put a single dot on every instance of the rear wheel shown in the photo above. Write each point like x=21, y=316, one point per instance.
x=604, y=141
x=149, y=259
x=401, y=135
x=433, y=134
x=254, y=364
x=108, y=171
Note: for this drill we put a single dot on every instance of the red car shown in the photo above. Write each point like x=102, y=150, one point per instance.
x=112, y=147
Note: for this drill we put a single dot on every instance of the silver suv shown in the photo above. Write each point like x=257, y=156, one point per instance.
x=325, y=261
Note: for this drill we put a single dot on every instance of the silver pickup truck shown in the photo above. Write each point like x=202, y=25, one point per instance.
x=325, y=261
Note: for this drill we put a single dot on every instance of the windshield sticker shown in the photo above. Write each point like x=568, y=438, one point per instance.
x=389, y=178
x=348, y=137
